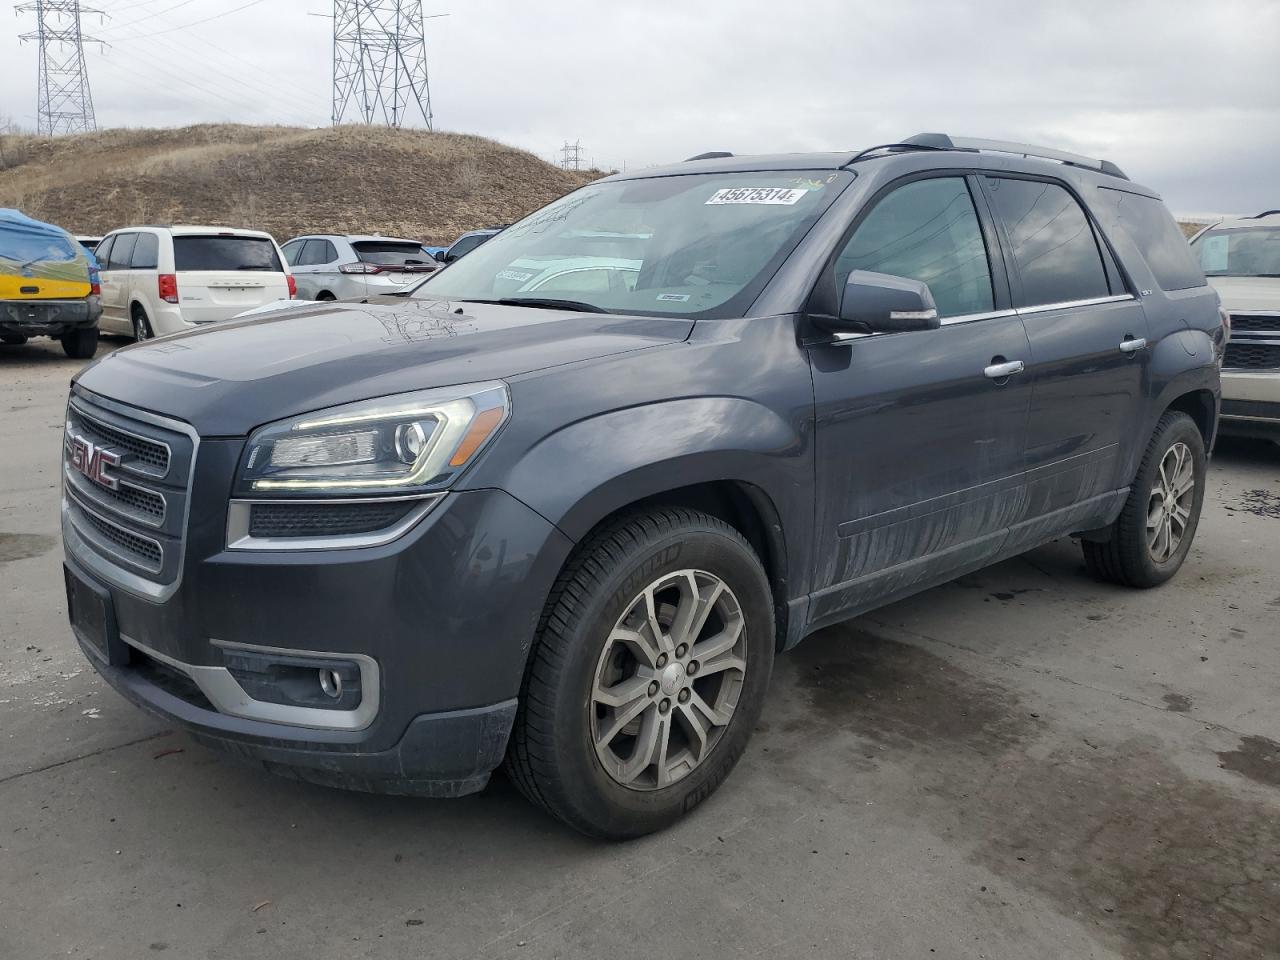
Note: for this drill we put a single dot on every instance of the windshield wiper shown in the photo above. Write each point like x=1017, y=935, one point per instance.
x=544, y=303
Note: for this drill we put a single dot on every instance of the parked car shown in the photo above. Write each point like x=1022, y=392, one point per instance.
x=48, y=286
x=468, y=242
x=89, y=243
x=160, y=280
x=573, y=527
x=332, y=267
x=1242, y=260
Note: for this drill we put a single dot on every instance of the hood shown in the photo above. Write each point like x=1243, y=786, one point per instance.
x=1243, y=294
x=231, y=377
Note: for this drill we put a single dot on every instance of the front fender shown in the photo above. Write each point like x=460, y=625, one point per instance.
x=585, y=471
x=1184, y=362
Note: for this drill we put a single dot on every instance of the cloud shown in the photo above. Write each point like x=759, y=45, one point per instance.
x=1183, y=95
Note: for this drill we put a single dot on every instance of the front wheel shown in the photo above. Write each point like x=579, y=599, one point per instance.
x=648, y=674
x=80, y=344
x=1153, y=533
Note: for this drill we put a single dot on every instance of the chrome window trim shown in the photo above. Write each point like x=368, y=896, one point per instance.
x=975, y=317
x=229, y=698
x=1068, y=304
x=239, y=515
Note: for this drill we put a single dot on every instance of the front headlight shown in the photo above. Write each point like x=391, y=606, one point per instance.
x=393, y=446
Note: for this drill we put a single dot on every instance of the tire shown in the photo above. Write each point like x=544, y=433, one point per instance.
x=14, y=339
x=80, y=344
x=1130, y=557
x=141, y=326
x=555, y=753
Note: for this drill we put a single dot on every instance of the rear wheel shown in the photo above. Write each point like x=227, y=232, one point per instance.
x=80, y=344
x=141, y=325
x=14, y=339
x=1153, y=533
x=324, y=296
x=648, y=674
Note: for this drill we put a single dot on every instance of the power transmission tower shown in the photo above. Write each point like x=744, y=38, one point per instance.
x=571, y=155
x=380, y=62
x=65, y=101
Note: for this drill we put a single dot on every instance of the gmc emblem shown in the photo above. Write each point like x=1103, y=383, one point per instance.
x=92, y=461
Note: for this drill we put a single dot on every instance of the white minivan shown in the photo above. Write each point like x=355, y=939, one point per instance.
x=158, y=280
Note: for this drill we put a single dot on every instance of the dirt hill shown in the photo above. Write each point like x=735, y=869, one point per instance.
x=427, y=186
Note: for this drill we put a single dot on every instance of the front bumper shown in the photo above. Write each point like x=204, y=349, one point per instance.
x=447, y=612
x=48, y=318
x=1250, y=404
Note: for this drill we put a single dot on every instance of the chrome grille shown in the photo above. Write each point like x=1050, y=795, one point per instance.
x=126, y=483
x=1254, y=343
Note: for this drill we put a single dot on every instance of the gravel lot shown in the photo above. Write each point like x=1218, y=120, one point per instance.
x=1021, y=764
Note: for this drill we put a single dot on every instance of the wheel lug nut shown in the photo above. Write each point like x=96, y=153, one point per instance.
x=681, y=650
x=662, y=660
x=684, y=695
x=692, y=668
x=664, y=706
x=653, y=688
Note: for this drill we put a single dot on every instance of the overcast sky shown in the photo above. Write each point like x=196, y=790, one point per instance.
x=1185, y=96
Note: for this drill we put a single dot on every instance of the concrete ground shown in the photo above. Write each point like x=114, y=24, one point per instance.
x=1022, y=764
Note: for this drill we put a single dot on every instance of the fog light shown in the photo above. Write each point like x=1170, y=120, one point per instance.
x=297, y=681
x=331, y=683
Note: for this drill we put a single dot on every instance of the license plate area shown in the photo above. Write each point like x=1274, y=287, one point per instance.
x=93, y=619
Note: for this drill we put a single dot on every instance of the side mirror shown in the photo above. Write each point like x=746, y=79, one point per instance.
x=882, y=303
x=440, y=256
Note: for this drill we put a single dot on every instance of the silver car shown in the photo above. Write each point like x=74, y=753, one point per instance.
x=350, y=267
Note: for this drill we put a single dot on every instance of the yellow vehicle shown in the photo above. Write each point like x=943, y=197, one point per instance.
x=48, y=286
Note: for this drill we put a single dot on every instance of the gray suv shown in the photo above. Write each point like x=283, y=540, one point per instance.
x=351, y=267
x=392, y=545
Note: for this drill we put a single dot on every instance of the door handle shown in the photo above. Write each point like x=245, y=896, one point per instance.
x=1132, y=345
x=1003, y=369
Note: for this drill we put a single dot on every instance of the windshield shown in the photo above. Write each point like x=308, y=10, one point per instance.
x=666, y=245
x=391, y=253
x=1239, y=252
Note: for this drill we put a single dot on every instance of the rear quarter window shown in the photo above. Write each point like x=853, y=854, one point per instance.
x=225, y=253
x=1151, y=227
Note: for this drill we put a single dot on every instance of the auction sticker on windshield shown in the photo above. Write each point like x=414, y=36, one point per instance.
x=773, y=195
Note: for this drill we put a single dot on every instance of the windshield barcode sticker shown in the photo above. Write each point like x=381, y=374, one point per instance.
x=514, y=275
x=772, y=195
x=673, y=297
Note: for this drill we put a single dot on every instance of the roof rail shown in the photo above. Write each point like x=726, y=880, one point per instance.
x=710, y=155
x=1264, y=213
x=941, y=141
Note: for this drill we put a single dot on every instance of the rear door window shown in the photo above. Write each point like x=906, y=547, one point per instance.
x=1054, y=247
x=122, y=251
x=389, y=253
x=225, y=253
x=927, y=230
x=317, y=253
x=146, y=252
x=1151, y=227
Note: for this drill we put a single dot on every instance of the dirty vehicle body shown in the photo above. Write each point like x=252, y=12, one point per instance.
x=1242, y=260
x=49, y=286
x=333, y=267
x=391, y=543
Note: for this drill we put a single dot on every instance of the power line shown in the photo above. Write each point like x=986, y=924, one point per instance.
x=380, y=62
x=571, y=155
x=64, y=100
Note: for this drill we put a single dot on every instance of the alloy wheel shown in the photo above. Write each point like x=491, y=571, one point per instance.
x=1172, y=499
x=668, y=680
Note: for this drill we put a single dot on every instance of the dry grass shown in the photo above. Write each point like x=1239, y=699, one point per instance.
x=428, y=186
